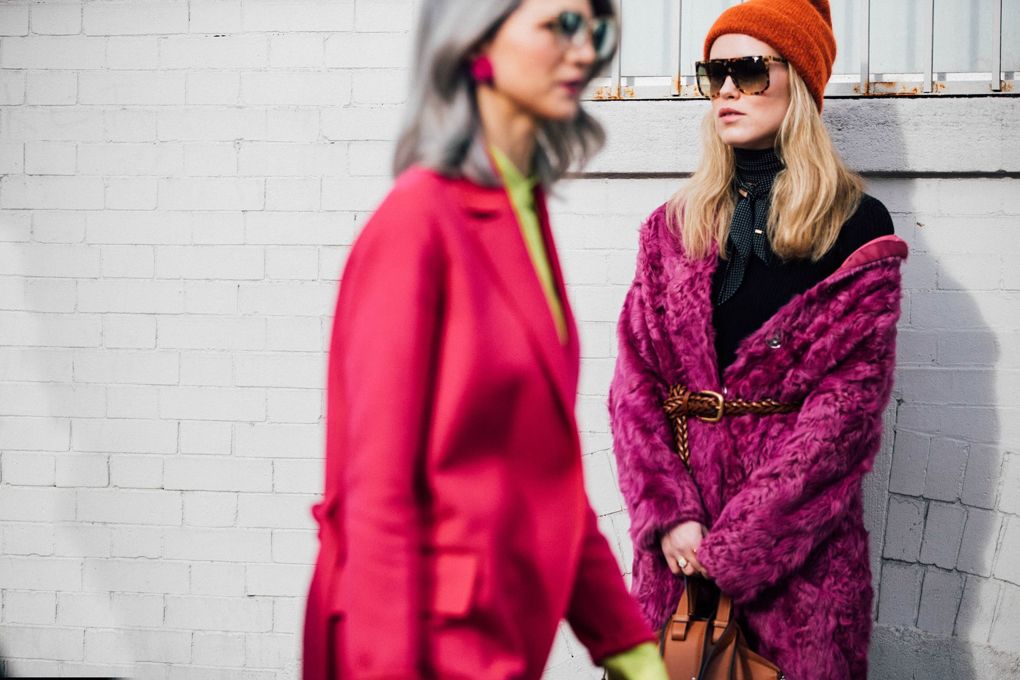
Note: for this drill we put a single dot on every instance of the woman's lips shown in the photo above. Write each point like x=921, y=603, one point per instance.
x=573, y=87
x=728, y=115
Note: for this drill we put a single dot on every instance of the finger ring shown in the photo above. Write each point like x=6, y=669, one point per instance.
x=682, y=561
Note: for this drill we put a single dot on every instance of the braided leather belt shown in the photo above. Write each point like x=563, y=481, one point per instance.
x=711, y=407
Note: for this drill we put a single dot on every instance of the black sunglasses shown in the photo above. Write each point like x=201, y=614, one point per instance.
x=602, y=31
x=750, y=74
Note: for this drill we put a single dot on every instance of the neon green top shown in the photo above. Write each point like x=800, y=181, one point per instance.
x=521, y=190
x=638, y=663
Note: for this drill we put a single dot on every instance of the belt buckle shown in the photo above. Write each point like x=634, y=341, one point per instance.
x=720, y=407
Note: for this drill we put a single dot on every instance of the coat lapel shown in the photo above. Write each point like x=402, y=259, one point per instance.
x=494, y=226
x=572, y=344
x=689, y=293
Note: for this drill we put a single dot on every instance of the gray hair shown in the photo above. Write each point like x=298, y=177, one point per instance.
x=442, y=129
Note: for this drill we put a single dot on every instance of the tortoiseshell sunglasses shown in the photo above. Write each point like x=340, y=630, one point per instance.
x=750, y=74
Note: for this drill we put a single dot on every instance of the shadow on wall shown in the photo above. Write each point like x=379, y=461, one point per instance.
x=932, y=502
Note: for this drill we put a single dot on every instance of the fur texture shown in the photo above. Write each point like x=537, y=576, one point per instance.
x=781, y=494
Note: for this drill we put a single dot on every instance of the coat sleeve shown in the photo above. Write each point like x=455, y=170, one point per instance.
x=792, y=503
x=659, y=490
x=601, y=612
x=386, y=329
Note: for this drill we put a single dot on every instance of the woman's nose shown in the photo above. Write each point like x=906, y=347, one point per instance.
x=584, y=53
x=729, y=88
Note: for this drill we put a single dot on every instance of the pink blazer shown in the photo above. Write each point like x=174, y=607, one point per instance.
x=455, y=530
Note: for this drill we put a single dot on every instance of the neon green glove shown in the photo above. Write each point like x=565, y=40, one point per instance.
x=638, y=663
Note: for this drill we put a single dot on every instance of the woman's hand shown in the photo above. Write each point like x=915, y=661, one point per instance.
x=680, y=548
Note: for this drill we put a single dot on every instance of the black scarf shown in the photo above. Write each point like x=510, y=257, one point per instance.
x=756, y=171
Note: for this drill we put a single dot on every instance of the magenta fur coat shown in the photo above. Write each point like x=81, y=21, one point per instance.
x=780, y=494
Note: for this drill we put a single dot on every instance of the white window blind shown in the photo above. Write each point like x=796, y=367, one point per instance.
x=885, y=47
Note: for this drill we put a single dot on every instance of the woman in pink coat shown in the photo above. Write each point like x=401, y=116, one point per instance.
x=763, y=316
x=455, y=530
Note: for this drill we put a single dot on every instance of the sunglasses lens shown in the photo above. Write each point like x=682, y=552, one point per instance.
x=750, y=75
x=603, y=37
x=711, y=76
x=575, y=30
x=570, y=23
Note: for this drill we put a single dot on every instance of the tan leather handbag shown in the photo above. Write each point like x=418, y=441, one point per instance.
x=702, y=640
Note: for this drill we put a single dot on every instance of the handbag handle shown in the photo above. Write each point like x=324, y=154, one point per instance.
x=681, y=620
x=723, y=614
x=680, y=623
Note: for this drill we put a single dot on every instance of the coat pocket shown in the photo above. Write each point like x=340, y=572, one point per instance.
x=454, y=581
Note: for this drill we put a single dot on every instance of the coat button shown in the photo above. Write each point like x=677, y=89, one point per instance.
x=775, y=341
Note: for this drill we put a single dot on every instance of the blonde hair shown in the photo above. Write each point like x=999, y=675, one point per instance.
x=812, y=197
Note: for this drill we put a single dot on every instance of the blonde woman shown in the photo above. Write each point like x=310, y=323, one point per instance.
x=757, y=347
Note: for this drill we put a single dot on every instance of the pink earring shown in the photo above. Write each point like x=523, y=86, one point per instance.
x=481, y=71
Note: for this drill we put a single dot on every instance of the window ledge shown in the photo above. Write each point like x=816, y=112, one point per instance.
x=894, y=135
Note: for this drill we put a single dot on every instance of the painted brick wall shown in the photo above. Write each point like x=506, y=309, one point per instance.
x=179, y=185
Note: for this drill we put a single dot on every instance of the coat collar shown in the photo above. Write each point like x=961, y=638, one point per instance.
x=689, y=291
x=821, y=311
x=874, y=250
x=493, y=224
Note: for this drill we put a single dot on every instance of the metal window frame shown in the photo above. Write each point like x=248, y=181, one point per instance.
x=617, y=86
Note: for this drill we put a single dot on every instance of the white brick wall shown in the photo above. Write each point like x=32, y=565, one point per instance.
x=179, y=184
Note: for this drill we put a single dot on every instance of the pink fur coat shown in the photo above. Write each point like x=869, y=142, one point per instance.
x=781, y=494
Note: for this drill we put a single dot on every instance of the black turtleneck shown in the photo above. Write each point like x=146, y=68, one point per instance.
x=754, y=283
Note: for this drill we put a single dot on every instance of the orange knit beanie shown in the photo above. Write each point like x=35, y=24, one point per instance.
x=800, y=30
